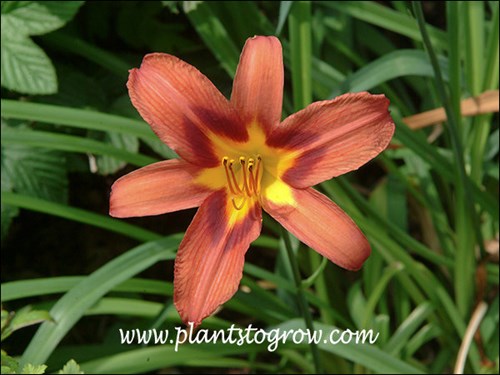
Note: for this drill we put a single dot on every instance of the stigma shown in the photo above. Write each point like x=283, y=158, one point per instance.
x=243, y=178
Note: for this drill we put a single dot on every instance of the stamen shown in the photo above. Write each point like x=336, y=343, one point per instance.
x=251, y=180
x=241, y=205
x=224, y=162
x=250, y=173
x=244, y=171
x=257, y=175
x=236, y=185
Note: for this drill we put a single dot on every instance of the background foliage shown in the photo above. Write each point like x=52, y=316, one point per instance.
x=428, y=204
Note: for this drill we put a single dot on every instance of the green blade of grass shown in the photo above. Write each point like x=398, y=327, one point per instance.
x=299, y=25
x=70, y=308
x=481, y=65
x=18, y=289
x=151, y=358
x=242, y=19
x=78, y=214
x=455, y=59
x=79, y=118
x=400, y=63
x=398, y=98
x=407, y=329
x=466, y=212
x=369, y=356
x=425, y=334
x=395, y=231
x=79, y=47
x=418, y=279
x=285, y=7
x=387, y=18
x=84, y=354
x=71, y=143
x=304, y=306
x=285, y=284
x=492, y=49
x=473, y=12
x=301, y=53
x=121, y=306
x=213, y=33
x=301, y=59
x=376, y=295
x=417, y=142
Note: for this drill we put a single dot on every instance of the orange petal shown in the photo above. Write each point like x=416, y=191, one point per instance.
x=159, y=188
x=209, y=263
x=322, y=225
x=258, y=84
x=183, y=107
x=334, y=137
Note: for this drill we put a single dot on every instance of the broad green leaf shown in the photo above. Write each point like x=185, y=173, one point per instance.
x=25, y=68
x=108, y=165
x=9, y=364
x=8, y=214
x=8, y=370
x=31, y=369
x=36, y=172
x=39, y=17
x=24, y=318
x=31, y=171
x=6, y=317
x=9, y=6
x=71, y=368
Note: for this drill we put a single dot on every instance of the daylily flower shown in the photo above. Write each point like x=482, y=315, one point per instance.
x=236, y=158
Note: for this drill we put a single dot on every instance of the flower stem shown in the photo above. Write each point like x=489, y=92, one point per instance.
x=303, y=304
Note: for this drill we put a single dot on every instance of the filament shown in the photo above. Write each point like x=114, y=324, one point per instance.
x=241, y=204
